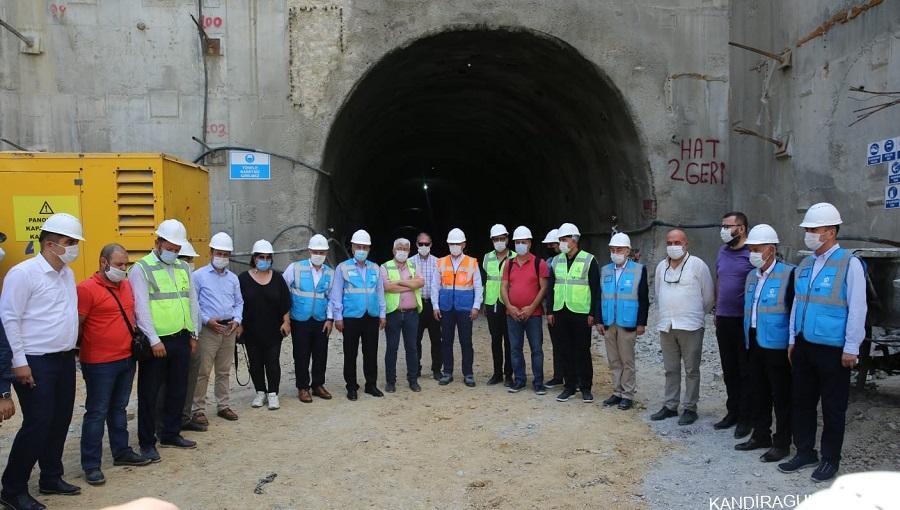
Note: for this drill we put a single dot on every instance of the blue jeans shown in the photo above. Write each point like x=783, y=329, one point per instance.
x=406, y=323
x=460, y=321
x=108, y=388
x=534, y=328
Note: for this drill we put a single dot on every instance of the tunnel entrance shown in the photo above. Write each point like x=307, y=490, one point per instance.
x=472, y=127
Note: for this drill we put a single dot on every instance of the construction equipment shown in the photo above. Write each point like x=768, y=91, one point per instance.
x=119, y=198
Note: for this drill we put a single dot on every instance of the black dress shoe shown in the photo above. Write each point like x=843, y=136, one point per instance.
x=374, y=391
x=58, y=486
x=436, y=375
x=626, y=404
x=753, y=444
x=21, y=502
x=612, y=400
x=495, y=379
x=742, y=430
x=727, y=422
x=130, y=458
x=663, y=413
x=352, y=395
x=774, y=454
x=687, y=417
x=178, y=442
x=414, y=386
x=799, y=462
x=94, y=477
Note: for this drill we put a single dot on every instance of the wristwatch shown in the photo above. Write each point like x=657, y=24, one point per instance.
x=5, y=395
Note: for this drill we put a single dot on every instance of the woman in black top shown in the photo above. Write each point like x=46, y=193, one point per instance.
x=267, y=303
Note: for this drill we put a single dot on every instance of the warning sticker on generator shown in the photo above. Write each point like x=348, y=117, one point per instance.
x=31, y=212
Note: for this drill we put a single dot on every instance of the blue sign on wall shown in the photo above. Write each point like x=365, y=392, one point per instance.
x=883, y=151
x=894, y=173
x=249, y=166
x=892, y=197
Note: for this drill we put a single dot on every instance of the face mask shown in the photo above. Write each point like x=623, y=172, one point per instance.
x=455, y=250
x=617, y=258
x=361, y=255
x=521, y=248
x=500, y=245
x=317, y=260
x=564, y=247
x=168, y=256
x=401, y=256
x=813, y=241
x=115, y=274
x=220, y=262
x=675, y=252
x=424, y=250
x=70, y=254
x=726, y=235
x=263, y=265
x=757, y=260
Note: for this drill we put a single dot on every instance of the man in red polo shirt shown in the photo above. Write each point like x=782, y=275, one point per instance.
x=104, y=301
x=522, y=288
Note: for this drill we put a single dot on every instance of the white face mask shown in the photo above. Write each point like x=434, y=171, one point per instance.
x=521, y=248
x=455, y=250
x=757, y=260
x=220, y=262
x=726, y=235
x=317, y=260
x=401, y=256
x=424, y=250
x=617, y=258
x=564, y=247
x=70, y=254
x=813, y=241
x=115, y=274
x=168, y=256
x=675, y=252
x=499, y=245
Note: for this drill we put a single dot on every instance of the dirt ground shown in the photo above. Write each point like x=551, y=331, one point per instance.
x=456, y=447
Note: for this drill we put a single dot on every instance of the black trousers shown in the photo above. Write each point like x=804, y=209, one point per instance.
x=264, y=359
x=817, y=373
x=310, y=342
x=735, y=367
x=46, y=415
x=770, y=383
x=427, y=321
x=558, y=368
x=365, y=329
x=499, y=339
x=173, y=371
x=574, y=335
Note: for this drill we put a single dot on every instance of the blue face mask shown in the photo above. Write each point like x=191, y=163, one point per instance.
x=169, y=257
x=263, y=265
x=361, y=255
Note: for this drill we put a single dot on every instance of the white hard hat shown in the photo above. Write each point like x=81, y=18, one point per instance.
x=221, y=241
x=172, y=231
x=568, y=229
x=263, y=246
x=521, y=232
x=762, y=234
x=552, y=237
x=822, y=214
x=620, y=239
x=187, y=250
x=456, y=236
x=361, y=237
x=64, y=224
x=317, y=242
x=499, y=230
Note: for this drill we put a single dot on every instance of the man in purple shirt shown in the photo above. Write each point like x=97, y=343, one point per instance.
x=732, y=266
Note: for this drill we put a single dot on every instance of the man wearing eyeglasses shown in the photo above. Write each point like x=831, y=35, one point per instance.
x=426, y=265
x=685, y=294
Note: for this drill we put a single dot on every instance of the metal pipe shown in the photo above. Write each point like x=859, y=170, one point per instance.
x=27, y=40
x=17, y=146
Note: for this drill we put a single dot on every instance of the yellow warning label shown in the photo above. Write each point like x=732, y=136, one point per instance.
x=32, y=211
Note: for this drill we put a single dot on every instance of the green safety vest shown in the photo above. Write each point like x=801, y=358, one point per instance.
x=494, y=270
x=392, y=299
x=170, y=301
x=572, y=288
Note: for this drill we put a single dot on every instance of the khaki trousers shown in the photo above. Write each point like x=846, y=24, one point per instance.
x=682, y=346
x=620, y=354
x=214, y=351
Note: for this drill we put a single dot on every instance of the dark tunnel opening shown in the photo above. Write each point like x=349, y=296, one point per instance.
x=472, y=127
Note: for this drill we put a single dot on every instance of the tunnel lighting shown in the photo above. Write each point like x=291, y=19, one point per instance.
x=425, y=186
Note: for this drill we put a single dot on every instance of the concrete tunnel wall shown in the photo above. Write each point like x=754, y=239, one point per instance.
x=103, y=83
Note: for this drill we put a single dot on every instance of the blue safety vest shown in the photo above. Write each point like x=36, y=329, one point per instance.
x=822, y=309
x=619, y=299
x=773, y=314
x=360, y=289
x=308, y=300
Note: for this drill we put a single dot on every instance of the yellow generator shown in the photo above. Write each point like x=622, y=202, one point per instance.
x=119, y=198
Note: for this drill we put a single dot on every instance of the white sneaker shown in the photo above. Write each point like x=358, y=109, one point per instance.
x=259, y=399
x=273, y=401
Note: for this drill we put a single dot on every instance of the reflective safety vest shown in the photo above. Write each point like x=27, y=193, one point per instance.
x=360, y=289
x=309, y=300
x=619, y=303
x=572, y=288
x=773, y=313
x=493, y=267
x=170, y=300
x=392, y=299
x=457, y=287
x=822, y=308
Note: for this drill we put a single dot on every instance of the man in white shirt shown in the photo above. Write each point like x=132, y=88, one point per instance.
x=39, y=310
x=684, y=295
